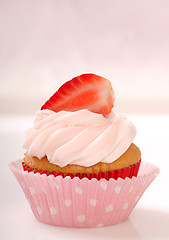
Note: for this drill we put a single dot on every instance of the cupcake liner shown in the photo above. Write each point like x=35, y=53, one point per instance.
x=122, y=173
x=82, y=202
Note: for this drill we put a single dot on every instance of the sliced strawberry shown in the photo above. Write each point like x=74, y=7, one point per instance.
x=87, y=91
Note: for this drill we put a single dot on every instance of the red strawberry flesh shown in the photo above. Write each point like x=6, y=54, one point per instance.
x=87, y=91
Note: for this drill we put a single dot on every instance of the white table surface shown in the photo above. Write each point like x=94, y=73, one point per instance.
x=149, y=220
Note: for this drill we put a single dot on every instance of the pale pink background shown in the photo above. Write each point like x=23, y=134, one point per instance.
x=46, y=42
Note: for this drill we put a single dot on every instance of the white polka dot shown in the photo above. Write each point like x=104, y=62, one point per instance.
x=137, y=198
x=81, y=218
x=57, y=187
x=103, y=185
x=39, y=209
x=93, y=202
x=79, y=190
x=117, y=189
x=43, y=190
x=109, y=208
x=68, y=202
x=100, y=225
x=125, y=206
x=131, y=189
x=32, y=190
x=53, y=210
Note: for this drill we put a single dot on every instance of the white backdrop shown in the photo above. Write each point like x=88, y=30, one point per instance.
x=47, y=42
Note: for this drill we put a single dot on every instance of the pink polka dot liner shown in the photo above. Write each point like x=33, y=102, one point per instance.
x=122, y=173
x=82, y=202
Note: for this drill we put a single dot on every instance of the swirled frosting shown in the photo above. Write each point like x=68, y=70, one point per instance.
x=83, y=138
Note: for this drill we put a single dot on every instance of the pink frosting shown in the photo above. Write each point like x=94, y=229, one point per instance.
x=82, y=137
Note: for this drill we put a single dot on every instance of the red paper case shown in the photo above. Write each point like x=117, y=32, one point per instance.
x=122, y=173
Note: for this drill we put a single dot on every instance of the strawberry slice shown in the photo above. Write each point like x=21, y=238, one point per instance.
x=87, y=91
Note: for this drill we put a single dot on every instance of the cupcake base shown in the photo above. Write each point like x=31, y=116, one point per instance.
x=122, y=173
x=82, y=202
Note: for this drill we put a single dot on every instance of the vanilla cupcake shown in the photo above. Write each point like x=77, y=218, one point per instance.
x=77, y=133
x=80, y=166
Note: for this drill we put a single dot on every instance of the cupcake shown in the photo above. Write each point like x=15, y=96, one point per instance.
x=76, y=132
x=80, y=166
